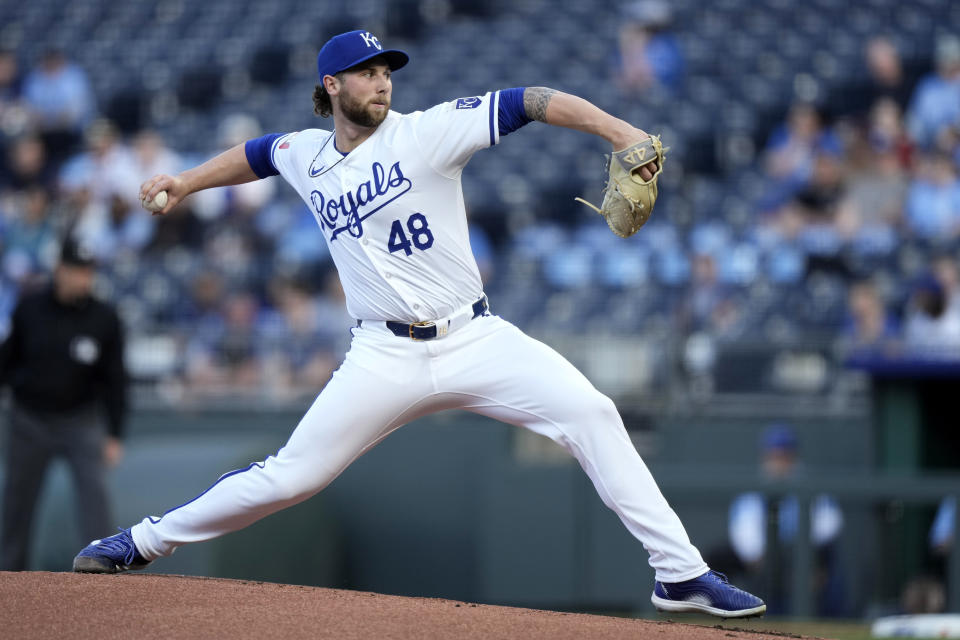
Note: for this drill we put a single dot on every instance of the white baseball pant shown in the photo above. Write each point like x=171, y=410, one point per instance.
x=489, y=367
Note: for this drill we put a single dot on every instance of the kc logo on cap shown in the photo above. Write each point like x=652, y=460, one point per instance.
x=349, y=49
x=371, y=39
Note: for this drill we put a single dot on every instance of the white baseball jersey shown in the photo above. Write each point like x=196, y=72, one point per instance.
x=392, y=209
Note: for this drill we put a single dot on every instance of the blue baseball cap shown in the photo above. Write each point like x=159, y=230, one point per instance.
x=779, y=437
x=353, y=47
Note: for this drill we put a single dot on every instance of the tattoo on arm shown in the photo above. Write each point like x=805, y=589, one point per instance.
x=535, y=101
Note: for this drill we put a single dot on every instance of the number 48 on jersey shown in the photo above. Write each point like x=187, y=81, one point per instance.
x=420, y=235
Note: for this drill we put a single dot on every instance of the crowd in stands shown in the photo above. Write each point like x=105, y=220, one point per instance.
x=847, y=226
x=858, y=187
x=232, y=275
x=884, y=180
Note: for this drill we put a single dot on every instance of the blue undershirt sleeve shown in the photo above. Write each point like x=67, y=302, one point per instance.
x=511, y=115
x=258, y=155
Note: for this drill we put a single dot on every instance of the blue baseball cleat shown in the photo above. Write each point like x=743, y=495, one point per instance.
x=110, y=555
x=711, y=593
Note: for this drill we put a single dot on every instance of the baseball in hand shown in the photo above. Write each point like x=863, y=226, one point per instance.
x=159, y=202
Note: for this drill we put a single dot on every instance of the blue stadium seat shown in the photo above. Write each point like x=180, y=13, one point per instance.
x=623, y=268
x=739, y=265
x=710, y=238
x=568, y=266
x=671, y=267
x=785, y=265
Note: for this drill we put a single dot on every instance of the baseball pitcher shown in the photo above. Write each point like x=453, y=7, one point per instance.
x=385, y=190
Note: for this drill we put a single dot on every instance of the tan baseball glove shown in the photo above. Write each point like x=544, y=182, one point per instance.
x=628, y=199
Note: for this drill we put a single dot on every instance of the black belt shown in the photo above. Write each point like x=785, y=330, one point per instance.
x=428, y=330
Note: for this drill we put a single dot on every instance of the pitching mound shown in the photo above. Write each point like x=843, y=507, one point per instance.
x=68, y=605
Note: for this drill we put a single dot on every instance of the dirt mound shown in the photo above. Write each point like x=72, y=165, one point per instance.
x=68, y=605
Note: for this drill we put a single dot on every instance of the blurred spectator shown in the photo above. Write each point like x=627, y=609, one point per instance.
x=236, y=236
x=709, y=305
x=947, y=273
x=152, y=156
x=870, y=327
x=11, y=84
x=792, y=151
x=14, y=117
x=239, y=202
x=104, y=184
x=64, y=363
x=198, y=315
x=885, y=77
x=30, y=239
x=813, y=215
x=649, y=54
x=877, y=183
x=935, y=107
x=26, y=164
x=235, y=251
x=752, y=517
x=925, y=593
x=307, y=343
x=886, y=133
x=932, y=326
x=792, y=145
x=179, y=228
x=106, y=168
x=820, y=198
x=933, y=199
x=59, y=94
x=888, y=77
x=223, y=358
x=207, y=293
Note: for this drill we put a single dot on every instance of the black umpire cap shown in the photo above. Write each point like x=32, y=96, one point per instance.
x=75, y=254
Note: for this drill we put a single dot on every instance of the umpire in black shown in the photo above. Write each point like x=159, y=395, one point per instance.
x=63, y=361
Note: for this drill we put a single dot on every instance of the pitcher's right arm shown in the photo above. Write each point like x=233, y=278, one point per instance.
x=228, y=168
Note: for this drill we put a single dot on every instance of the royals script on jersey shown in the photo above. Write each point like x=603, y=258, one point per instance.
x=392, y=209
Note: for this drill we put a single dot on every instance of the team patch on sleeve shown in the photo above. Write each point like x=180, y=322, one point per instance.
x=469, y=103
x=282, y=143
x=286, y=140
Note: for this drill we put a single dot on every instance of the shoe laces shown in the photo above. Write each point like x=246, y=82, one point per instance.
x=722, y=577
x=118, y=544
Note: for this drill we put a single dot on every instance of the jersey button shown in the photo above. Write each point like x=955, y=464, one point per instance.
x=366, y=242
x=416, y=306
x=388, y=275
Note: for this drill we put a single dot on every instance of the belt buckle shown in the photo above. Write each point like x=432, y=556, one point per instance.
x=428, y=323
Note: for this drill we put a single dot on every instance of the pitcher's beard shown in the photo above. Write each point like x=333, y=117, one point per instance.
x=360, y=114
